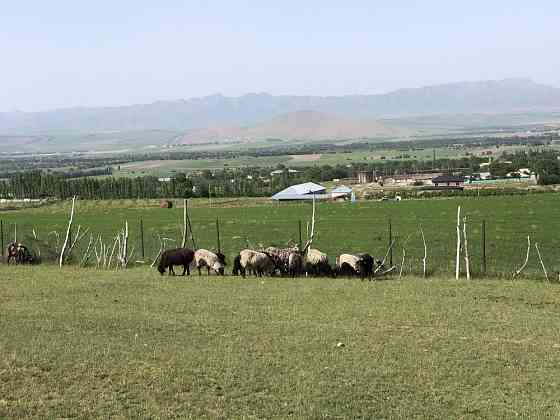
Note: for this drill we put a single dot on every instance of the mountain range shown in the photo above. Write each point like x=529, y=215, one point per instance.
x=218, y=112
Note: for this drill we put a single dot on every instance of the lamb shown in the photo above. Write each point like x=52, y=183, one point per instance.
x=210, y=260
x=258, y=262
x=179, y=256
x=317, y=263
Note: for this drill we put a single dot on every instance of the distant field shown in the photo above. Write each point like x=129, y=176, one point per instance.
x=162, y=167
x=91, y=344
x=341, y=227
x=166, y=167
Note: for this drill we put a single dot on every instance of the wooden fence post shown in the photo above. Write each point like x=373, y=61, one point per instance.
x=142, y=238
x=484, y=247
x=2, y=236
x=299, y=227
x=390, y=243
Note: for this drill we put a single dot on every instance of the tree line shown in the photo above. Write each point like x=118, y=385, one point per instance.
x=253, y=182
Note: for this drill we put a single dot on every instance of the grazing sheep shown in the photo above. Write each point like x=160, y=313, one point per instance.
x=237, y=269
x=281, y=257
x=258, y=262
x=19, y=253
x=317, y=263
x=367, y=264
x=295, y=264
x=350, y=264
x=179, y=256
x=210, y=260
x=345, y=270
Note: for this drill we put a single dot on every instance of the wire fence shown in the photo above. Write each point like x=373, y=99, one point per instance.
x=495, y=247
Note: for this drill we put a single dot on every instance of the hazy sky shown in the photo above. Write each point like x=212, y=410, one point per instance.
x=59, y=53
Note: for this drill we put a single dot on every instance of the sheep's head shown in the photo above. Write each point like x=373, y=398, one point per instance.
x=221, y=258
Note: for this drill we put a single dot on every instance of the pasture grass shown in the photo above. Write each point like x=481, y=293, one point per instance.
x=97, y=344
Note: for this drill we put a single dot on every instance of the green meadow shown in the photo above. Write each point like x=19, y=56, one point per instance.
x=340, y=227
x=83, y=343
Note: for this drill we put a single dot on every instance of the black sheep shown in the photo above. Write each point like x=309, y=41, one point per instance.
x=179, y=256
x=237, y=268
x=366, y=265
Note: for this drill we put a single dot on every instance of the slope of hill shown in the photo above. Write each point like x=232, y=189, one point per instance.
x=301, y=125
x=511, y=95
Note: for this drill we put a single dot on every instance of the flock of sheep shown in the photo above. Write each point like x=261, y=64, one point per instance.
x=271, y=261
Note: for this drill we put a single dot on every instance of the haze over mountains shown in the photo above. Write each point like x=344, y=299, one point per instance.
x=299, y=125
x=216, y=112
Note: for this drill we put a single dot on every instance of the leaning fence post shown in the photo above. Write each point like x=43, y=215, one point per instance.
x=189, y=223
x=484, y=247
x=299, y=228
x=142, y=238
x=218, y=234
x=2, y=236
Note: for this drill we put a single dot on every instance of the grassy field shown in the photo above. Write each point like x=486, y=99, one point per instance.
x=341, y=227
x=92, y=344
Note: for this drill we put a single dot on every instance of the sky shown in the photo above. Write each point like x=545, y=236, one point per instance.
x=66, y=53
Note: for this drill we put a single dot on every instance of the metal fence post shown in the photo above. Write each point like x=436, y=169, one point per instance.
x=218, y=234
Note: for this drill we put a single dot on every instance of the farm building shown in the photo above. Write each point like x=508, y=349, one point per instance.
x=304, y=191
x=341, y=192
x=448, y=181
x=412, y=179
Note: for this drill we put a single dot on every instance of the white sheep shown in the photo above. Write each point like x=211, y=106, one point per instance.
x=317, y=263
x=255, y=261
x=210, y=260
x=350, y=264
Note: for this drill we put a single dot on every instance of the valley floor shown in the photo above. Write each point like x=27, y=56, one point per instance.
x=85, y=343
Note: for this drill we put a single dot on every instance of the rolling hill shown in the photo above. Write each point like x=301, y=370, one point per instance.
x=301, y=125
